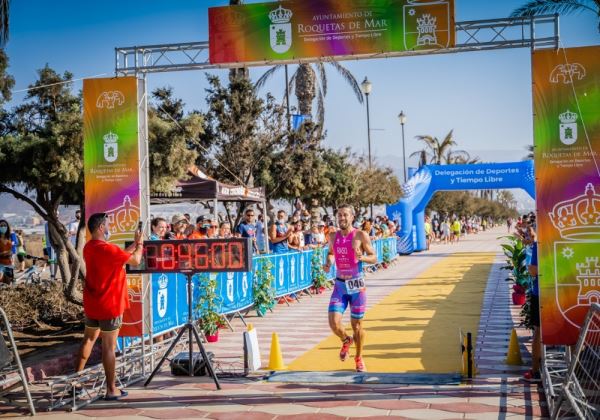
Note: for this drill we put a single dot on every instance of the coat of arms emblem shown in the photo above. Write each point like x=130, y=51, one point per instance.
x=568, y=127
x=230, y=276
x=576, y=264
x=427, y=25
x=280, y=279
x=161, y=297
x=244, y=285
x=280, y=30
x=111, y=148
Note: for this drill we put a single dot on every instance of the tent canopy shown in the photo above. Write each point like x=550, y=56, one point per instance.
x=200, y=189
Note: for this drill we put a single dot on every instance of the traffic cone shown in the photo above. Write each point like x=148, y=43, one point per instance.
x=276, y=358
x=250, y=327
x=514, y=351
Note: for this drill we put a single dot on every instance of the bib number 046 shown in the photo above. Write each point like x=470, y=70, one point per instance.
x=355, y=286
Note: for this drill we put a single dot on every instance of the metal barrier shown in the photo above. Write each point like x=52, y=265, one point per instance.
x=77, y=390
x=12, y=374
x=580, y=391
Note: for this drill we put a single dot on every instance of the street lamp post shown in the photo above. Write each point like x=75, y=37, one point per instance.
x=366, y=87
x=402, y=118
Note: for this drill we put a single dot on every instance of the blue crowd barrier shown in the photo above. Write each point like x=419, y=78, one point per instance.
x=291, y=273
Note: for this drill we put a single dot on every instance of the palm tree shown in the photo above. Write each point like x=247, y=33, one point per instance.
x=505, y=197
x=543, y=7
x=4, y=9
x=310, y=82
x=435, y=151
x=459, y=157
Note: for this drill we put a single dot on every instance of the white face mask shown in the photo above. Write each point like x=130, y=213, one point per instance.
x=3, y=229
x=106, y=234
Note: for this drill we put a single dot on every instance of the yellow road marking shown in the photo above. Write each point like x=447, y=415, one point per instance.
x=415, y=329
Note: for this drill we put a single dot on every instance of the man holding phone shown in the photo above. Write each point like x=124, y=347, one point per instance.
x=105, y=295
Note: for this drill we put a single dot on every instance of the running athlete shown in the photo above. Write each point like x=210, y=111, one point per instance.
x=347, y=249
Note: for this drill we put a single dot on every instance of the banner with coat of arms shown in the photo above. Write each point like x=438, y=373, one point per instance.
x=566, y=98
x=312, y=29
x=112, y=170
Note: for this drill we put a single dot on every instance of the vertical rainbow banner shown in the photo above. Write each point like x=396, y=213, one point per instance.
x=112, y=169
x=311, y=29
x=566, y=102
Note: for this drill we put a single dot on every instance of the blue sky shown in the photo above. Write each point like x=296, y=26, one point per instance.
x=484, y=96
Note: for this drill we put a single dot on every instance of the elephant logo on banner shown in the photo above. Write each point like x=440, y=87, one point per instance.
x=281, y=272
x=230, y=286
x=280, y=30
x=293, y=270
x=567, y=73
x=161, y=297
x=244, y=285
x=109, y=99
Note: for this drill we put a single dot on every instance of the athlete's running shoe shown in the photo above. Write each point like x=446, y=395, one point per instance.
x=360, y=365
x=346, y=348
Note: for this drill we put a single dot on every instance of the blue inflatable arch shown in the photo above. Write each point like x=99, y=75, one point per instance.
x=419, y=189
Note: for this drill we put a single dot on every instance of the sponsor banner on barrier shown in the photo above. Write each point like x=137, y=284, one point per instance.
x=566, y=94
x=291, y=273
x=165, y=287
x=311, y=29
x=112, y=170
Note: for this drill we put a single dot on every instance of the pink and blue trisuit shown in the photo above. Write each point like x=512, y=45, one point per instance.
x=350, y=281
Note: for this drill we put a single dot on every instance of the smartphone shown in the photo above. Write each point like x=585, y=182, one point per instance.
x=140, y=226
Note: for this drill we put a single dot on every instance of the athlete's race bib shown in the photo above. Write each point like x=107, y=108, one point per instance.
x=355, y=286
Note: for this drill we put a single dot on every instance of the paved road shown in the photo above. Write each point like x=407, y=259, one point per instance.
x=497, y=392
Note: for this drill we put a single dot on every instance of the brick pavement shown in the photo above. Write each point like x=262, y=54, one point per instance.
x=497, y=392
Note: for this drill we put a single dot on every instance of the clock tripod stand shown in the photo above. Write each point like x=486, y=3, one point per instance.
x=192, y=334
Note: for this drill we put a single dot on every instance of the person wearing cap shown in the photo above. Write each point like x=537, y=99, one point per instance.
x=201, y=230
x=180, y=224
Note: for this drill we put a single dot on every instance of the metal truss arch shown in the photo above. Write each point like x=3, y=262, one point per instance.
x=537, y=32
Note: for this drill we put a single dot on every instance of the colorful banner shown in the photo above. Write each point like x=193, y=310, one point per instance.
x=112, y=169
x=566, y=101
x=312, y=29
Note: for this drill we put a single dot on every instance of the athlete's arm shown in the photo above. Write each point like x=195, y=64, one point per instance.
x=367, y=248
x=330, y=259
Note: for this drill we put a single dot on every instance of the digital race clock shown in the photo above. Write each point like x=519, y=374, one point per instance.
x=195, y=255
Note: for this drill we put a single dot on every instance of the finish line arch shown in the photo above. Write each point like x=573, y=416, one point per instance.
x=420, y=188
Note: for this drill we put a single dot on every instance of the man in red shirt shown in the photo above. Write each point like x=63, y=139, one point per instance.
x=105, y=296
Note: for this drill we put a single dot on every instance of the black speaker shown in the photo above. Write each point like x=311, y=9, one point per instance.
x=180, y=363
